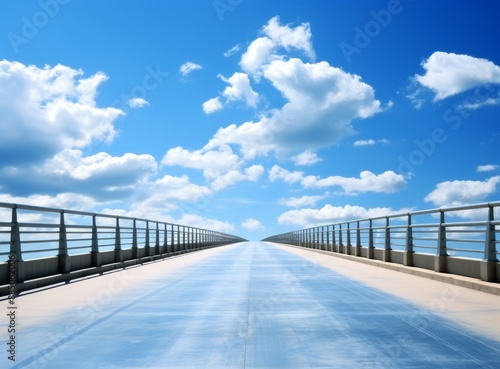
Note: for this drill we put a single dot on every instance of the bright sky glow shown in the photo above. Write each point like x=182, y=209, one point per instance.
x=249, y=117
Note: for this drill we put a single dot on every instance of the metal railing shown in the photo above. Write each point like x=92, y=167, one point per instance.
x=40, y=242
x=461, y=247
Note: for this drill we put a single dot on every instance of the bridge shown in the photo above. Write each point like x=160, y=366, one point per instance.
x=401, y=291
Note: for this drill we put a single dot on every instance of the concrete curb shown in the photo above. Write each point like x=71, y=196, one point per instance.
x=457, y=280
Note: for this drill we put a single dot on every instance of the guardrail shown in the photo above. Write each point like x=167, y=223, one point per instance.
x=468, y=248
x=42, y=246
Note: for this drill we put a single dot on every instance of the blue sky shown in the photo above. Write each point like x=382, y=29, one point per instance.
x=249, y=117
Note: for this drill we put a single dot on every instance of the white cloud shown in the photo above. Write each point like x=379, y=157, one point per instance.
x=322, y=103
x=232, y=50
x=331, y=214
x=305, y=158
x=277, y=173
x=370, y=142
x=73, y=164
x=213, y=105
x=487, y=168
x=386, y=182
x=46, y=110
x=66, y=200
x=448, y=74
x=257, y=55
x=299, y=38
x=188, y=67
x=264, y=49
x=298, y=202
x=240, y=89
x=452, y=193
x=137, y=102
x=194, y=220
x=212, y=162
x=477, y=104
x=252, y=224
x=232, y=177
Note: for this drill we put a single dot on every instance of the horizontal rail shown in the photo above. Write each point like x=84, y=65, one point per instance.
x=24, y=228
x=383, y=235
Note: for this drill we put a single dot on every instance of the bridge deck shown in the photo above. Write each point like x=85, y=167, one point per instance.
x=255, y=305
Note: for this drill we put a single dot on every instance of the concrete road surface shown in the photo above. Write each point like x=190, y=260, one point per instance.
x=250, y=305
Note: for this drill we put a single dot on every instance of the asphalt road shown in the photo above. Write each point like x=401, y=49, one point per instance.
x=250, y=306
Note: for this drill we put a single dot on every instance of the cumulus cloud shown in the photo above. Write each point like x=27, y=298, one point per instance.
x=213, y=105
x=137, y=102
x=230, y=178
x=309, y=217
x=264, y=49
x=452, y=193
x=46, y=110
x=387, y=182
x=212, y=162
x=323, y=101
x=306, y=158
x=252, y=224
x=240, y=89
x=188, y=67
x=448, y=74
x=277, y=173
x=298, y=202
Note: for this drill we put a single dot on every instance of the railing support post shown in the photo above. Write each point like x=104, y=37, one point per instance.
x=118, y=242
x=341, y=245
x=408, y=255
x=358, y=240
x=135, y=249
x=488, y=264
x=64, y=261
x=15, y=249
x=387, y=246
x=348, y=246
x=147, y=246
x=95, y=255
x=440, y=258
x=157, y=242
x=371, y=248
x=334, y=245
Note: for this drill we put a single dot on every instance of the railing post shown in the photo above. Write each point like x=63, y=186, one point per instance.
x=178, y=238
x=135, y=249
x=165, y=239
x=64, y=261
x=348, y=246
x=147, y=247
x=334, y=243
x=488, y=264
x=341, y=245
x=387, y=245
x=95, y=255
x=184, y=248
x=358, y=240
x=371, y=246
x=328, y=238
x=118, y=242
x=172, y=239
x=15, y=249
x=408, y=255
x=441, y=254
x=157, y=243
